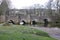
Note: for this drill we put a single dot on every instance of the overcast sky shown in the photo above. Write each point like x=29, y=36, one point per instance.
x=25, y=3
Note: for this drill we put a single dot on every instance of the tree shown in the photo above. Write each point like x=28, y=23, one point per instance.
x=4, y=8
x=49, y=9
x=58, y=10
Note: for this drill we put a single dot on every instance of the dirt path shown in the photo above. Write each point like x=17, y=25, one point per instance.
x=53, y=32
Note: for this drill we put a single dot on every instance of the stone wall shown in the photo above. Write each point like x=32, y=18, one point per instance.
x=18, y=15
x=26, y=18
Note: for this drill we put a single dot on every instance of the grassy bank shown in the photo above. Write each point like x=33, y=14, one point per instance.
x=19, y=32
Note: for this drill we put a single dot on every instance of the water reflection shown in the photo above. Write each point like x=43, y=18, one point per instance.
x=55, y=25
x=48, y=25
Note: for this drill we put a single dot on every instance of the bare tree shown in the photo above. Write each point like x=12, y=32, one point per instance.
x=4, y=8
x=57, y=10
x=49, y=7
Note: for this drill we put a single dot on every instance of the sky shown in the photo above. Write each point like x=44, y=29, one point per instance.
x=18, y=4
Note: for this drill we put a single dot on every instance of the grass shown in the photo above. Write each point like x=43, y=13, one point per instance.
x=19, y=32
